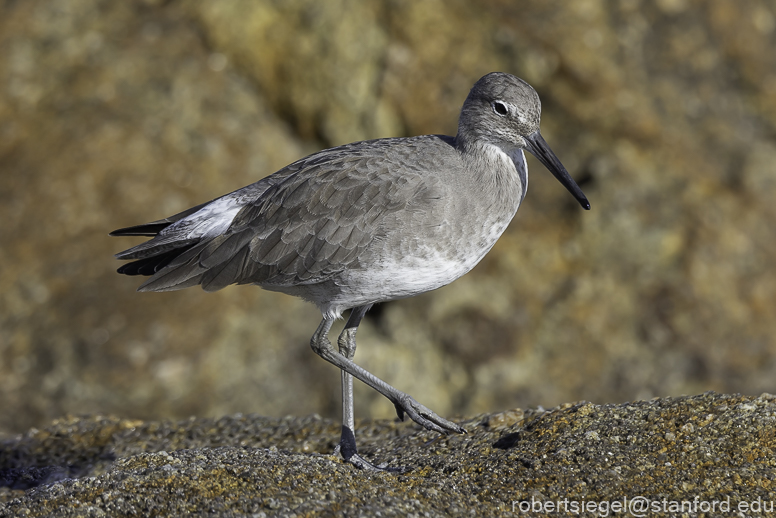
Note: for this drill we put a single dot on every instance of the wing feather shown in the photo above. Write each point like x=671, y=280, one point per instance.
x=303, y=225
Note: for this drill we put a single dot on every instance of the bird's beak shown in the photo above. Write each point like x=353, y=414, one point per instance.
x=541, y=150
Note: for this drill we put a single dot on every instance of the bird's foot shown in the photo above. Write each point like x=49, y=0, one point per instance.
x=347, y=449
x=424, y=416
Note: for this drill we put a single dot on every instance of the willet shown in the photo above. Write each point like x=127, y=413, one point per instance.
x=363, y=223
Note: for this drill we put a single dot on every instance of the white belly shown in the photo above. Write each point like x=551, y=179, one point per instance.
x=393, y=279
x=424, y=253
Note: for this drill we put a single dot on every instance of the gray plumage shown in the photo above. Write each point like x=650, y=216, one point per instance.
x=363, y=223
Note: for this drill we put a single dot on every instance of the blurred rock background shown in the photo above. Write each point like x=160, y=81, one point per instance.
x=118, y=113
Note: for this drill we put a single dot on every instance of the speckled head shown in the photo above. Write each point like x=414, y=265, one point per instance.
x=501, y=109
x=504, y=111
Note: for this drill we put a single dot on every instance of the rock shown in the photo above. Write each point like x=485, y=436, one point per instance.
x=118, y=113
x=673, y=451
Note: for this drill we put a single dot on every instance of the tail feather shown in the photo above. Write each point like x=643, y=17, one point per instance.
x=153, y=257
x=156, y=247
x=184, y=255
x=182, y=271
x=151, y=265
x=188, y=268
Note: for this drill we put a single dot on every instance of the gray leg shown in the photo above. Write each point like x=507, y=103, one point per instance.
x=403, y=402
x=347, y=348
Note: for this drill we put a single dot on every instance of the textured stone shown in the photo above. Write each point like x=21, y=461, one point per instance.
x=117, y=113
x=674, y=451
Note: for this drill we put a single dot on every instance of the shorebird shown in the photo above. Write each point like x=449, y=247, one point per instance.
x=367, y=222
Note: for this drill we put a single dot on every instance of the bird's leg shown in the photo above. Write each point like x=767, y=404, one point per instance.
x=403, y=402
x=347, y=348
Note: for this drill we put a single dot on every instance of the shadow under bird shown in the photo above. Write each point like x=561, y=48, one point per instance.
x=367, y=222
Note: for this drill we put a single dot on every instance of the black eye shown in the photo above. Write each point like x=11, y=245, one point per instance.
x=500, y=108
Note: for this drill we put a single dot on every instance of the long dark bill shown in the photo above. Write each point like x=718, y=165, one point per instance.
x=541, y=150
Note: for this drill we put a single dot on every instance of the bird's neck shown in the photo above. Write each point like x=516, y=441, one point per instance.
x=503, y=174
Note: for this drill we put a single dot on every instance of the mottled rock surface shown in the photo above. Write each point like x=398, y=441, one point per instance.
x=117, y=113
x=708, y=448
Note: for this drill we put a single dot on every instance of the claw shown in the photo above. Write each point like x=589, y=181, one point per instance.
x=424, y=416
x=399, y=411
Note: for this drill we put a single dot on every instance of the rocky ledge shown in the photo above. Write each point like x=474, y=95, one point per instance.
x=640, y=458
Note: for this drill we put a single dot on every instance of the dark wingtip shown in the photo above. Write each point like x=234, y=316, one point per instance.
x=121, y=232
x=153, y=228
x=146, y=230
x=585, y=204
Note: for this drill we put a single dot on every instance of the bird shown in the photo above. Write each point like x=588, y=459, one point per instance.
x=363, y=223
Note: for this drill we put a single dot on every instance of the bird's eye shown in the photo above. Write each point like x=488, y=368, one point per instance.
x=500, y=108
